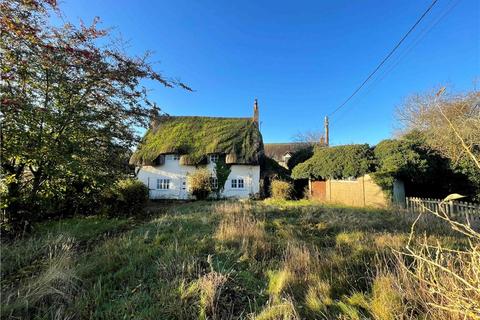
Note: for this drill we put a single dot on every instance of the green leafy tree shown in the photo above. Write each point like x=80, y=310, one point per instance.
x=69, y=108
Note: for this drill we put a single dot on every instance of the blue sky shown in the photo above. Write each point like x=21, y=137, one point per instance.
x=301, y=59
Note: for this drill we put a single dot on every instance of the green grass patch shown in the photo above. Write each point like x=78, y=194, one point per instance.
x=210, y=260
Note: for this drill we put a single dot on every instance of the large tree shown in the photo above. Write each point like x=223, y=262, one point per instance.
x=450, y=125
x=71, y=106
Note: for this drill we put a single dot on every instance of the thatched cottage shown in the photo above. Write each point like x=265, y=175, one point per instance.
x=175, y=147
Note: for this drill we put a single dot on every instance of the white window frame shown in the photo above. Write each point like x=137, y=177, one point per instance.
x=214, y=158
x=214, y=183
x=237, y=183
x=163, y=184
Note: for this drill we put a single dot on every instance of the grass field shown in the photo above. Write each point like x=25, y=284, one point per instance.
x=213, y=260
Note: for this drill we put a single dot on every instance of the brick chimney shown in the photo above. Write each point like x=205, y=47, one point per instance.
x=255, y=111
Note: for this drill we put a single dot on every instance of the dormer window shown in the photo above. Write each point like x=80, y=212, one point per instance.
x=213, y=158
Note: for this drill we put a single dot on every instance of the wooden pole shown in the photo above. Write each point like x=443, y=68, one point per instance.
x=327, y=135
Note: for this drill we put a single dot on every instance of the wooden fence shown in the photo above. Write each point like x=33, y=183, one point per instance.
x=454, y=209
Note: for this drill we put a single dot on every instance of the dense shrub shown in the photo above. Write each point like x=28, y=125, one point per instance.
x=126, y=197
x=199, y=183
x=337, y=162
x=281, y=190
x=425, y=172
x=300, y=156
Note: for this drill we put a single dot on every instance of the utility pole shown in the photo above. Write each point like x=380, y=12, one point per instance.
x=326, y=131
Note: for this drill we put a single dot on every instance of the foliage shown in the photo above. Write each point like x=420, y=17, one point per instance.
x=281, y=190
x=199, y=183
x=272, y=170
x=400, y=159
x=336, y=162
x=195, y=137
x=439, y=117
x=443, y=281
x=127, y=197
x=71, y=103
x=424, y=171
x=300, y=156
x=222, y=171
x=450, y=125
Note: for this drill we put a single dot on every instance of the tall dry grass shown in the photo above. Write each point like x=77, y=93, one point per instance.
x=52, y=288
x=239, y=225
x=440, y=282
x=205, y=293
x=284, y=310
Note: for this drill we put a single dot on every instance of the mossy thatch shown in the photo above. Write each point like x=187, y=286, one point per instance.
x=193, y=138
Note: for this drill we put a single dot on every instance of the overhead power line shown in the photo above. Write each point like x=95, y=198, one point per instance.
x=385, y=59
x=374, y=83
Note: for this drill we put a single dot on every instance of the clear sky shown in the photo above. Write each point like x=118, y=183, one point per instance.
x=301, y=59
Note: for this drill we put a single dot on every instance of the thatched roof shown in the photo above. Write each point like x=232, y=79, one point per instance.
x=193, y=138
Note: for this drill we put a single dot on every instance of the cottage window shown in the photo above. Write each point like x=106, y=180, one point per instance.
x=163, y=184
x=214, y=183
x=237, y=183
x=213, y=158
x=176, y=157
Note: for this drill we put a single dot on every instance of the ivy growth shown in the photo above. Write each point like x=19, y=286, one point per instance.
x=222, y=171
x=337, y=162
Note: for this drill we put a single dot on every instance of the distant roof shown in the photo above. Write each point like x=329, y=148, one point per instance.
x=195, y=137
x=276, y=151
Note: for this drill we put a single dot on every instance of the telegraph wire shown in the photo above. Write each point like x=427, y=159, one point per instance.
x=385, y=59
x=408, y=49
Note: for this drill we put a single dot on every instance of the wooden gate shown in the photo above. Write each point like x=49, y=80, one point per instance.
x=319, y=190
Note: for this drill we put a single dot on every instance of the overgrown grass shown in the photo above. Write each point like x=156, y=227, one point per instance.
x=215, y=260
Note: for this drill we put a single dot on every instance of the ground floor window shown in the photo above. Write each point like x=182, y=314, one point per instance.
x=163, y=184
x=214, y=183
x=238, y=183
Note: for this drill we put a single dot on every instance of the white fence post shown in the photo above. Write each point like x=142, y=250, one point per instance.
x=457, y=209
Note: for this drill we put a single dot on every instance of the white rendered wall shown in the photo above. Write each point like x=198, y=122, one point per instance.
x=179, y=185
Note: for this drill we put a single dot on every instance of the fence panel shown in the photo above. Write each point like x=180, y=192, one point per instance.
x=454, y=209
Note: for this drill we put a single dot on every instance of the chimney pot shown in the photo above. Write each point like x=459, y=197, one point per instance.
x=255, y=111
